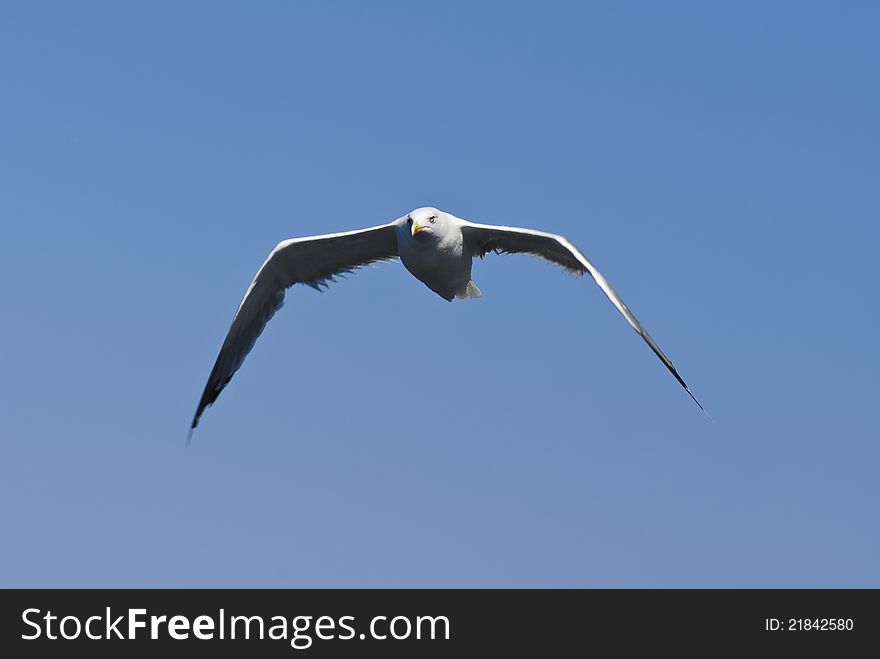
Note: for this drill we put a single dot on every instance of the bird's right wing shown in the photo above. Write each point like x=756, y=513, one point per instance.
x=313, y=261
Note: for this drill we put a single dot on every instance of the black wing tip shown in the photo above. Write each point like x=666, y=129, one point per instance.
x=690, y=393
x=209, y=395
x=671, y=368
x=196, y=418
x=192, y=427
x=699, y=404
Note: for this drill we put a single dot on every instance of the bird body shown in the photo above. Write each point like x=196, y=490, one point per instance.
x=435, y=247
x=436, y=256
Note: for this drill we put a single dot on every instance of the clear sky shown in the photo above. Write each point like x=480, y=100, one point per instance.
x=717, y=161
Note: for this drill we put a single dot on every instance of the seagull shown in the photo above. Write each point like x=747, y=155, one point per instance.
x=437, y=248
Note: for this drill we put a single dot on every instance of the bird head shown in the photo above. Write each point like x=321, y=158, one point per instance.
x=425, y=222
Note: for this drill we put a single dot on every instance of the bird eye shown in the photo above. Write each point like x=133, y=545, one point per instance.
x=432, y=219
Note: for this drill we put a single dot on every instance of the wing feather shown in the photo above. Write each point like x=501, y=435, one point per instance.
x=314, y=261
x=481, y=239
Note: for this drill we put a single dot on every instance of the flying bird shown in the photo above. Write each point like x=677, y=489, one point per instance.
x=437, y=248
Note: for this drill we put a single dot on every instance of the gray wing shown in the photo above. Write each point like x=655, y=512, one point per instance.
x=313, y=261
x=481, y=239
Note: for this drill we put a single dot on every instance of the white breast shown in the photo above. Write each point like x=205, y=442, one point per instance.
x=440, y=265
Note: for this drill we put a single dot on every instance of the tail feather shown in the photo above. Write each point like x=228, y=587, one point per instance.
x=470, y=290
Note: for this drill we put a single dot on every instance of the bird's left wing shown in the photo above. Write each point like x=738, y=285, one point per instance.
x=481, y=239
x=313, y=261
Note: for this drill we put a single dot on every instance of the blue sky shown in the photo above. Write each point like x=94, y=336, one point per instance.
x=718, y=162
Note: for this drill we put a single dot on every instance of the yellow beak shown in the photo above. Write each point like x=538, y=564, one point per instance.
x=416, y=227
